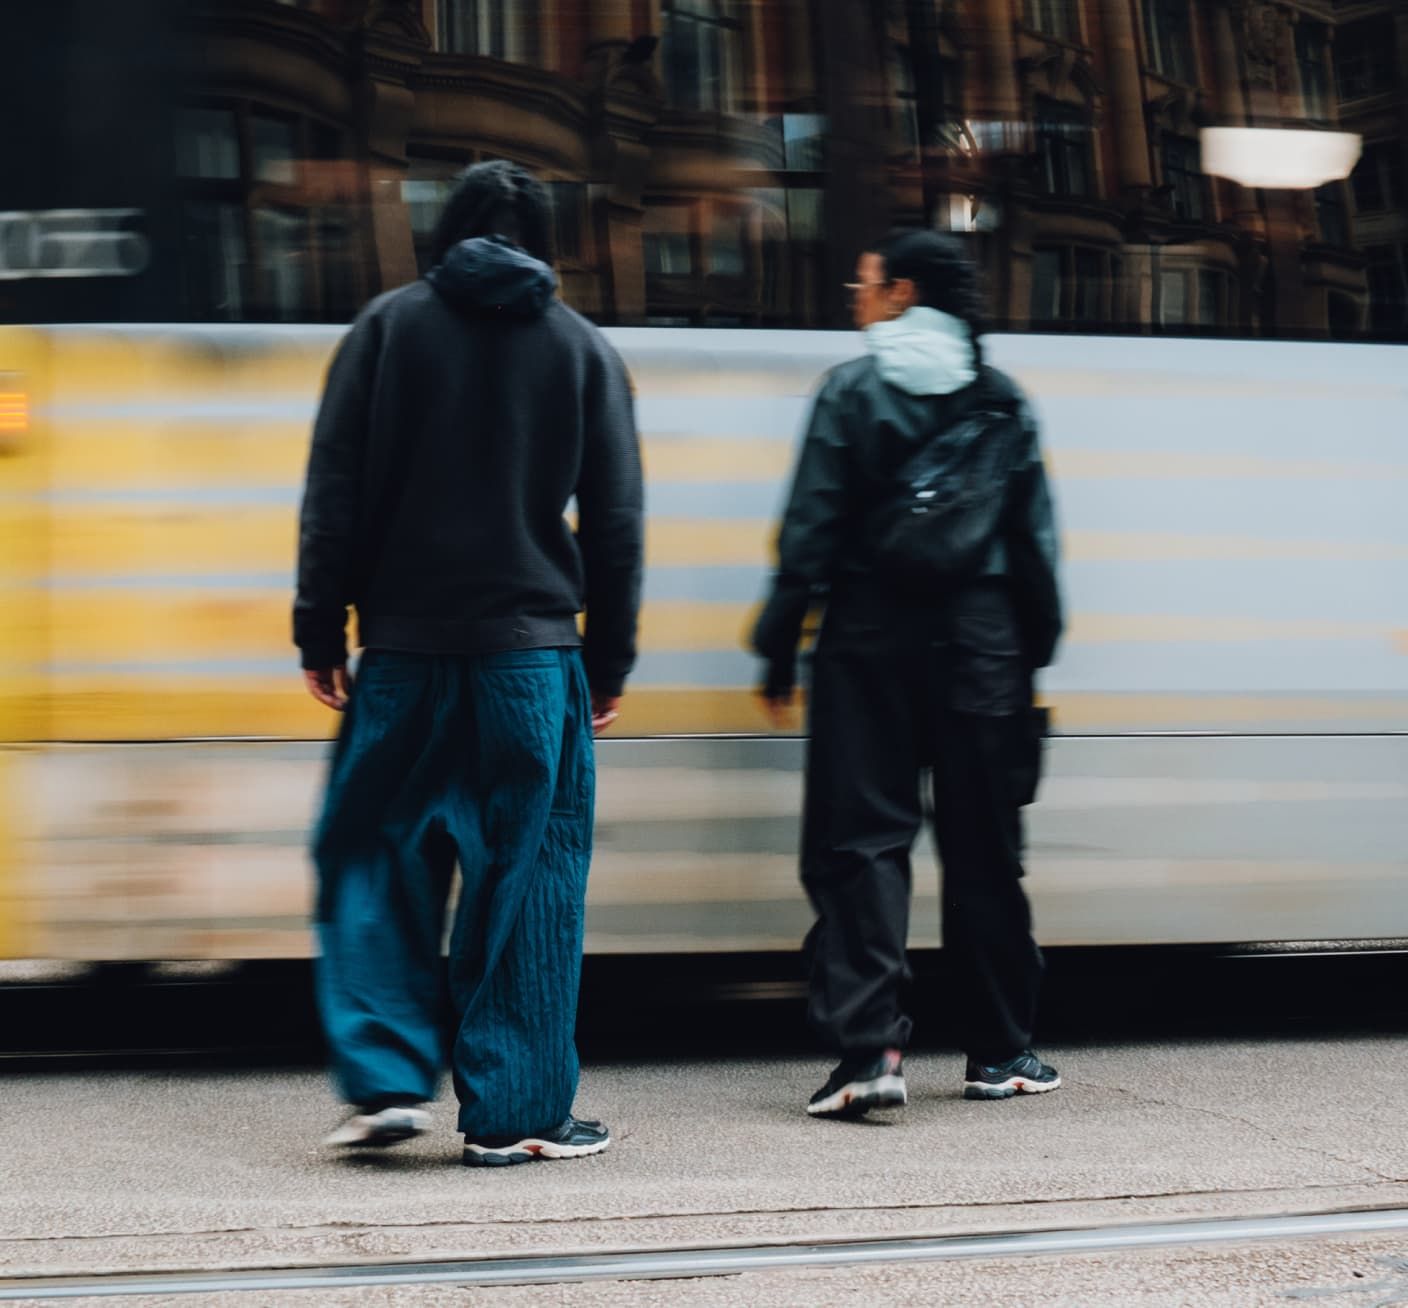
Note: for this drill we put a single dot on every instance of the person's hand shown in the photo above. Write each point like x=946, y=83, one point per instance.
x=780, y=705
x=329, y=686
x=605, y=711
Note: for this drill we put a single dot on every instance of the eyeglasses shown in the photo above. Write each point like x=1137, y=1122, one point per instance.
x=853, y=287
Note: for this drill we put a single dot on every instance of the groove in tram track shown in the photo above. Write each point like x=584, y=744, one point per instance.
x=723, y=1260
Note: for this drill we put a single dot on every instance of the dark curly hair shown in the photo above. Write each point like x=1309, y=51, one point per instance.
x=497, y=198
x=944, y=275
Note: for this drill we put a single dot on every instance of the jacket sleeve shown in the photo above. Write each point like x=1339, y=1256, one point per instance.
x=1033, y=544
x=331, y=501
x=610, y=526
x=808, y=544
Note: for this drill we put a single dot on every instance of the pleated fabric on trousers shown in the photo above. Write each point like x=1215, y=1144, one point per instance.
x=484, y=760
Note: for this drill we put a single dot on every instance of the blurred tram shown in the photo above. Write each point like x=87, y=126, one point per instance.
x=1231, y=698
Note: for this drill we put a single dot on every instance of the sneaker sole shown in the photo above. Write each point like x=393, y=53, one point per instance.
x=415, y=1122
x=529, y=1151
x=860, y=1097
x=1014, y=1085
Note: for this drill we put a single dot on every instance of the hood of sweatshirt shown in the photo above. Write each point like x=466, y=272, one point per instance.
x=490, y=274
x=924, y=351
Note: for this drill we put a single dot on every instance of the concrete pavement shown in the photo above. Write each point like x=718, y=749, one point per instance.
x=191, y=1168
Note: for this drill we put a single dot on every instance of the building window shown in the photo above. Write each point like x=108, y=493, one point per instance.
x=904, y=100
x=1377, y=178
x=668, y=240
x=1089, y=300
x=1168, y=35
x=728, y=243
x=1330, y=214
x=1364, y=61
x=1064, y=149
x=1183, y=175
x=1173, y=298
x=1388, y=288
x=497, y=29
x=1212, y=297
x=699, y=51
x=1056, y=18
x=1312, y=57
x=1046, y=285
x=208, y=144
x=568, y=202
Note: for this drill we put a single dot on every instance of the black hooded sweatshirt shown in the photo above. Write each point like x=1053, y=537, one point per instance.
x=462, y=415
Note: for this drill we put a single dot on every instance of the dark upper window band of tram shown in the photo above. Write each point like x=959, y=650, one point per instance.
x=710, y=162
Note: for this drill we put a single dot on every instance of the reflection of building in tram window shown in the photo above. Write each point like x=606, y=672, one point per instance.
x=721, y=160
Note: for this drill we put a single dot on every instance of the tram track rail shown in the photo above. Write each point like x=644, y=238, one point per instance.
x=688, y=1262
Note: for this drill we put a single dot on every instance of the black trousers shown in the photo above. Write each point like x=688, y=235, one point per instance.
x=880, y=712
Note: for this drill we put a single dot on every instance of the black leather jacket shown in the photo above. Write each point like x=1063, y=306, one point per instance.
x=997, y=628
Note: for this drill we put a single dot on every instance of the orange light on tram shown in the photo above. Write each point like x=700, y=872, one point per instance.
x=14, y=412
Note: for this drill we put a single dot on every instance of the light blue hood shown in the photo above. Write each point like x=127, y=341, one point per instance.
x=924, y=351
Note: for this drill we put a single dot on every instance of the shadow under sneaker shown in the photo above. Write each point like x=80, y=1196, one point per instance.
x=573, y=1139
x=861, y=1083
x=1025, y=1074
x=388, y=1126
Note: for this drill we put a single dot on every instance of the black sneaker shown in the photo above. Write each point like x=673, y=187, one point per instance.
x=861, y=1083
x=369, y=1129
x=573, y=1139
x=1024, y=1075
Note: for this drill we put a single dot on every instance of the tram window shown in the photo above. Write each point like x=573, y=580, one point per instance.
x=661, y=125
x=1388, y=288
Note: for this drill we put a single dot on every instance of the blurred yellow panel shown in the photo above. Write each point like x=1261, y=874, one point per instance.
x=1101, y=628
x=716, y=459
x=154, y=454
x=694, y=625
x=1155, y=546
x=173, y=539
x=99, y=365
x=705, y=542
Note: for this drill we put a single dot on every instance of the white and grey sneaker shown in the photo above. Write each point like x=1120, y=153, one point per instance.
x=1025, y=1074
x=572, y=1139
x=861, y=1083
x=387, y=1126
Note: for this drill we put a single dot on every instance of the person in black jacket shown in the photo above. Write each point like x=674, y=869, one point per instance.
x=462, y=415
x=909, y=675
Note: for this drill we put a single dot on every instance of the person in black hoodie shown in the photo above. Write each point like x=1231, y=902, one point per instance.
x=462, y=416
x=912, y=672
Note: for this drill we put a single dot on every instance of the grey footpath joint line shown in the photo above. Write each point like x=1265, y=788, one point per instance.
x=720, y=1261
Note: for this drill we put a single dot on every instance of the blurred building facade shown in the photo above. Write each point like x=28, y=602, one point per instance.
x=722, y=161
